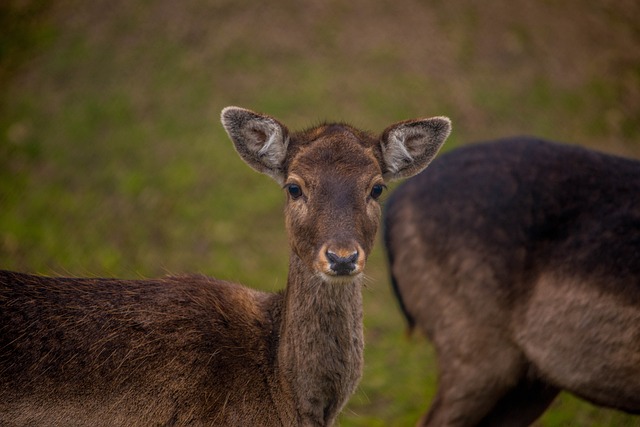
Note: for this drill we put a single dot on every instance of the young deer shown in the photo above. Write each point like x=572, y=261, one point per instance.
x=520, y=261
x=201, y=351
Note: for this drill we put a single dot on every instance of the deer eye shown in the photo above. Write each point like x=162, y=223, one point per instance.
x=376, y=191
x=294, y=191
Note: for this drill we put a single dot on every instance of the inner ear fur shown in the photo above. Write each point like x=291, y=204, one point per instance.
x=409, y=146
x=260, y=140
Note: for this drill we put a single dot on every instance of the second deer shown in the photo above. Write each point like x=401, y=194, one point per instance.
x=520, y=260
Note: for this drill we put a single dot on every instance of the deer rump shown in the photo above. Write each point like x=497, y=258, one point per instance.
x=520, y=260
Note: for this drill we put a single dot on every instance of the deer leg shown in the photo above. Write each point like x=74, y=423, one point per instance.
x=472, y=383
x=493, y=405
x=450, y=408
x=521, y=405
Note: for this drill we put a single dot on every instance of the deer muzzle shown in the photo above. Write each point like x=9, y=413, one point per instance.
x=342, y=265
x=341, y=261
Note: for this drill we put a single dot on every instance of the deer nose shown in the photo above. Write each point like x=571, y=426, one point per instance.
x=342, y=265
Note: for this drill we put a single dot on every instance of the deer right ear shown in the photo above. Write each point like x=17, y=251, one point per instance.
x=259, y=139
x=409, y=146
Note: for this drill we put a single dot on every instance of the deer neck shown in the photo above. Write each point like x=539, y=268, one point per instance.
x=321, y=343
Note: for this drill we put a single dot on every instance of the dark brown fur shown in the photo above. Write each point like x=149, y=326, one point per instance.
x=520, y=260
x=199, y=351
x=84, y=351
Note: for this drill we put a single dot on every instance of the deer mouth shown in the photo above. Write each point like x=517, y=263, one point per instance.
x=341, y=280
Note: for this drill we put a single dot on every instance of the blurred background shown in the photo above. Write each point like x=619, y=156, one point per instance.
x=113, y=161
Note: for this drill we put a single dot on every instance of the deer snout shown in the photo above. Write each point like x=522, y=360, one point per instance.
x=342, y=265
x=340, y=260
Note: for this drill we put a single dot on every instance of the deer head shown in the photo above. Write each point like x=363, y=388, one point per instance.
x=333, y=176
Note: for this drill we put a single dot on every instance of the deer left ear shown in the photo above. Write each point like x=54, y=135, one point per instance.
x=409, y=146
x=259, y=139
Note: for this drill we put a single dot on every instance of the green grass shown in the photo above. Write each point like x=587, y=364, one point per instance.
x=113, y=161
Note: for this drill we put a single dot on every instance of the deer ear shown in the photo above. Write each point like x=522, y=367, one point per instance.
x=409, y=146
x=259, y=139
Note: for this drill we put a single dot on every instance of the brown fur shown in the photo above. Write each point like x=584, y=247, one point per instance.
x=520, y=260
x=199, y=351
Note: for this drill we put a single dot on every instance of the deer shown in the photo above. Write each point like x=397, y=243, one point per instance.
x=199, y=351
x=519, y=260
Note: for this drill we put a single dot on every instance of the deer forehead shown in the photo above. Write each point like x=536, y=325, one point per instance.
x=337, y=154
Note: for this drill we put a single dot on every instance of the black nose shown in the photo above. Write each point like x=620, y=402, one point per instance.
x=342, y=266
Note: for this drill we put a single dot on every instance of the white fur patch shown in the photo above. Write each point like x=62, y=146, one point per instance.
x=395, y=152
x=274, y=149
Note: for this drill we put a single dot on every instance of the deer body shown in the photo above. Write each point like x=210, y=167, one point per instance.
x=192, y=350
x=86, y=351
x=520, y=260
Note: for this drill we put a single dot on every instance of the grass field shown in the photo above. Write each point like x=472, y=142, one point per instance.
x=113, y=161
